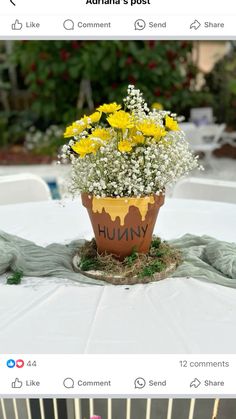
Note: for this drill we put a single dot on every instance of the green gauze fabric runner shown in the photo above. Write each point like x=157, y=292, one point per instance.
x=55, y=260
x=204, y=257
x=207, y=258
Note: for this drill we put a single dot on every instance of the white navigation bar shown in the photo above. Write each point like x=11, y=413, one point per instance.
x=137, y=26
x=116, y=375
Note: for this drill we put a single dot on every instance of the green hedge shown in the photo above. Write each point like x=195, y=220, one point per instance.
x=53, y=70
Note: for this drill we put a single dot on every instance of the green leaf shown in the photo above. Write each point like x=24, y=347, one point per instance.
x=15, y=278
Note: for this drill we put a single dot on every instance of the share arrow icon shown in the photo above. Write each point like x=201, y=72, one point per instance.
x=195, y=25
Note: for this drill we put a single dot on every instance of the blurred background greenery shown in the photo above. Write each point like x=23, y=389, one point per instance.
x=44, y=85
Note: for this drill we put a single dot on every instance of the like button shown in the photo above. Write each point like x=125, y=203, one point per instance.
x=17, y=383
x=17, y=26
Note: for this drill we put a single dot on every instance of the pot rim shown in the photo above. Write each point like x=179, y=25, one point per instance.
x=123, y=198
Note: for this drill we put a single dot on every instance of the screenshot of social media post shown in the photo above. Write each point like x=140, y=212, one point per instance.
x=117, y=210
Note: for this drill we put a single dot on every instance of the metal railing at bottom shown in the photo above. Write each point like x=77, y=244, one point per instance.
x=118, y=408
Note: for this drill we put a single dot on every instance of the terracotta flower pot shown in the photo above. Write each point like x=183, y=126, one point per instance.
x=122, y=224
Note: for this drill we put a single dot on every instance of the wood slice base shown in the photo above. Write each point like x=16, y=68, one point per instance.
x=115, y=279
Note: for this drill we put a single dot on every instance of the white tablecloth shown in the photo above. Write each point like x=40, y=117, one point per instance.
x=182, y=315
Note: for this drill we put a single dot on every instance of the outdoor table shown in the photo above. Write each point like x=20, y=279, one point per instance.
x=176, y=315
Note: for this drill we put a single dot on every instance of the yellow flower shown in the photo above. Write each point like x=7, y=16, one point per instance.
x=121, y=119
x=138, y=139
x=109, y=107
x=151, y=129
x=84, y=147
x=75, y=129
x=95, y=117
x=69, y=132
x=101, y=133
x=158, y=106
x=125, y=146
x=171, y=124
x=85, y=120
x=160, y=133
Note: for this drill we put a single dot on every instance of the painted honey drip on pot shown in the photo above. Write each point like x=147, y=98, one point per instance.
x=119, y=207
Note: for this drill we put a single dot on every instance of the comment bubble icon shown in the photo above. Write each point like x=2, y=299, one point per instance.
x=69, y=25
x=68, y=383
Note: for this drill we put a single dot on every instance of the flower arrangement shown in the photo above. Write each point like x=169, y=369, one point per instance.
x=128, y=151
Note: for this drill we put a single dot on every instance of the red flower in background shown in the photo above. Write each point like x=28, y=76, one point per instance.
x=184, y=44
x=157, y=92
x=129, y=60
x=75, y=44
x=152, y=64
x=190, y=75
x=64, y=55
x=171, y=55
x=151, y=44
x=33, y=67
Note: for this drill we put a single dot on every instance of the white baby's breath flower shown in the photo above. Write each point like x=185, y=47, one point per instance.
x=148, y=169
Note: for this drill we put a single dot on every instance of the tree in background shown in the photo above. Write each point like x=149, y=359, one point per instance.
x=66, y=78
x=221, y=82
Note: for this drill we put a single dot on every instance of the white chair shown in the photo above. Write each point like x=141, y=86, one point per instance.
x=187, y=126
x=202, y=116
x=229, y=138
x=206, y=189
x=23, y=188
x=205, y=138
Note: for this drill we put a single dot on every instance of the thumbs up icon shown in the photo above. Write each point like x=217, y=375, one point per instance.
x=17, y=383
x=11, y=363
x=17, y=25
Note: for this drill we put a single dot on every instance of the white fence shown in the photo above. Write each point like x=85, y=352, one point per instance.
x=117, y=408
